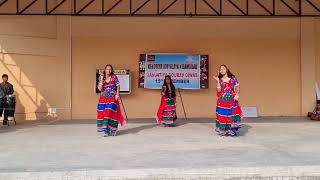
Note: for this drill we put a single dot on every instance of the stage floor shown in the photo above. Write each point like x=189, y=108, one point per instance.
x=75, y=146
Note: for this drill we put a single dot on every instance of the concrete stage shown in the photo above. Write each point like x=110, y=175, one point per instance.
x=72, y=149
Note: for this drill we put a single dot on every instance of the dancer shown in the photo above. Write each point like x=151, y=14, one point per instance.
x=109, y=112
x=228, y=110
x=167, y=110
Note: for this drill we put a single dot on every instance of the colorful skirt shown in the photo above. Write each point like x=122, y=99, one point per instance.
x=109, y=115
x=228, y=116
x=167, y=111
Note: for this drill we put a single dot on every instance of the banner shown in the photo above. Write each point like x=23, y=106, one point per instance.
x=204, y=71
x=184, y=70
x=155, y=60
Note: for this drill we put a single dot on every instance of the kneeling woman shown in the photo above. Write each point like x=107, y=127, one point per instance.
x=109, y=112
x=167, y=110
x=228, y=110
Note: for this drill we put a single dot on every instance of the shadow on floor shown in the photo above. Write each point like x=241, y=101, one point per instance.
x=151, y=122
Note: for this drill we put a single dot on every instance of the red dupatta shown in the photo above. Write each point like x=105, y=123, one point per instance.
x=161, y=109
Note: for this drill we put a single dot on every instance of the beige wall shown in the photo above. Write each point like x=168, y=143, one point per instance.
x=259, y=51
x=37, y=54
x=308, y=63
x=317, y=24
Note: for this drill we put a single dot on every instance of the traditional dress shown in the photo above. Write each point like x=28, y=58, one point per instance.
x=109, y=112
x=167, y=110
x=228, y=110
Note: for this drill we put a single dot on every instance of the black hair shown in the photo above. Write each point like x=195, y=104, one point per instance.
x=5, y=75
x=229, y=73
x=173, y=88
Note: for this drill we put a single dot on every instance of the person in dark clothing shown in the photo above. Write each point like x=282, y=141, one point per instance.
x=167, y=114
x=5, y=89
